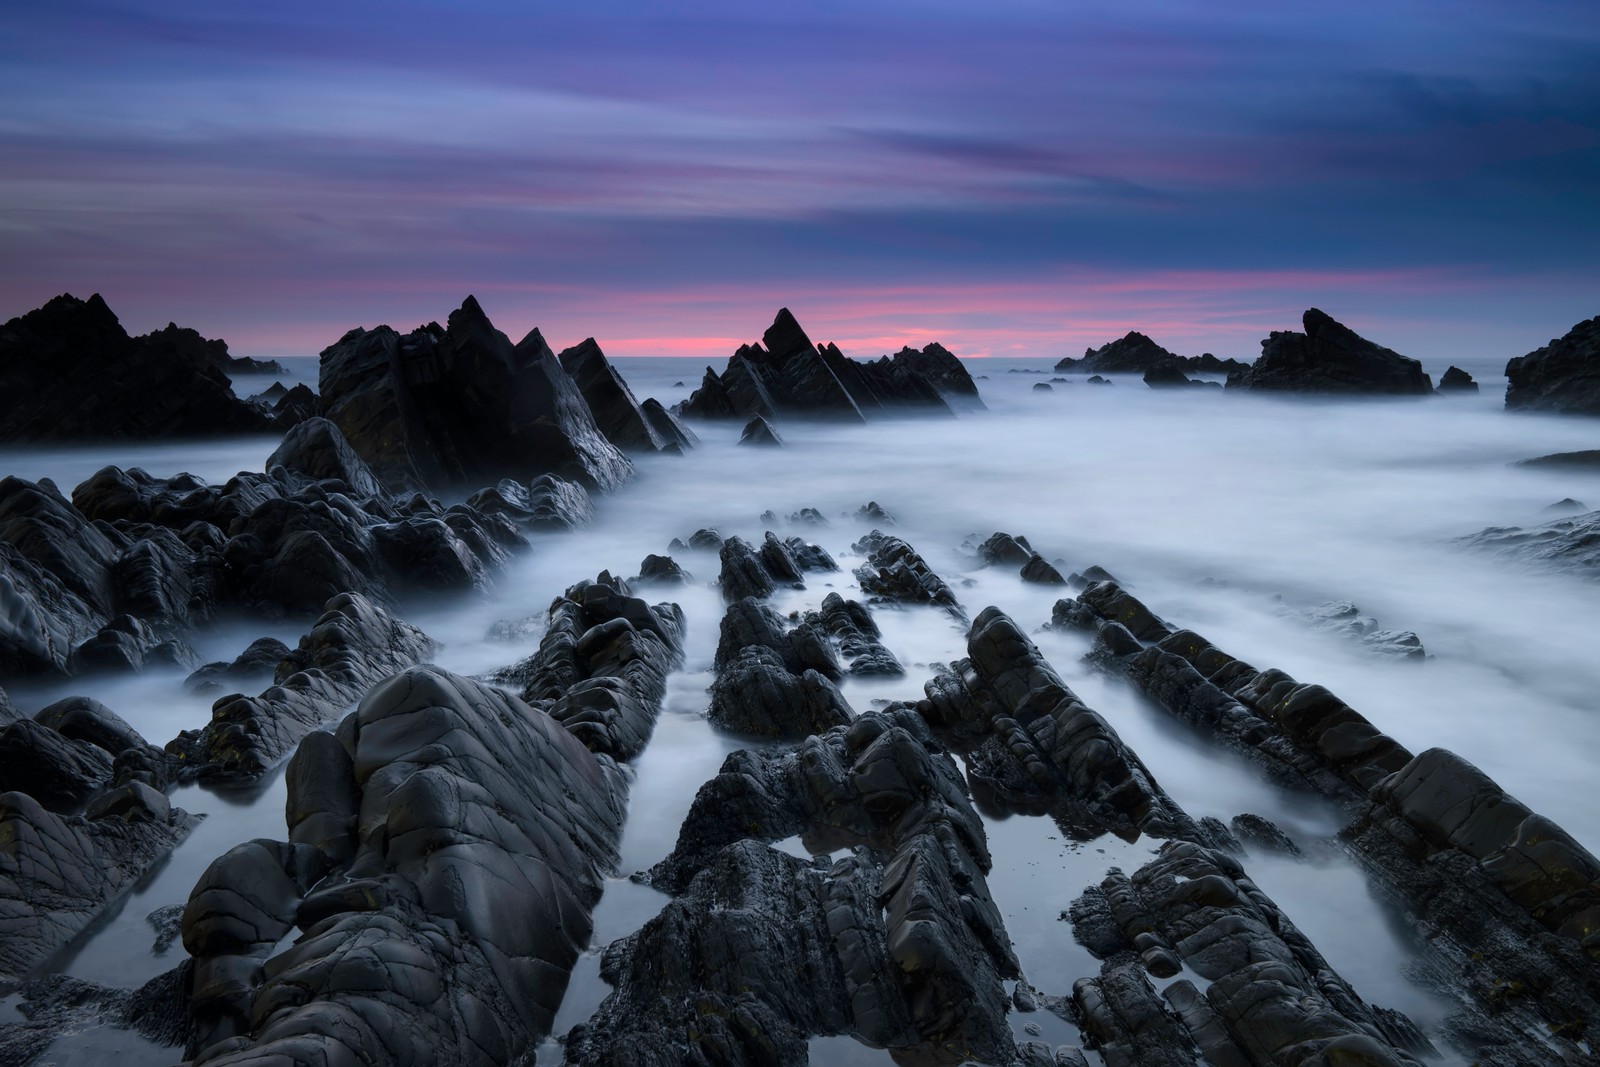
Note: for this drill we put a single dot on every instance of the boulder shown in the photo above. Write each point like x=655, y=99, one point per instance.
x=257, y=662
x=548, y=503
x=462, y=406
x=1330, y=358
x=315, y=449
x=1563, y=376
x=1456, y=380
x=84, y=377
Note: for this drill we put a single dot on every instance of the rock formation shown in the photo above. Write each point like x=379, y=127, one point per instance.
x=1134, y=353
x=1563, y=376
x=618, y=415
x=1330, y=358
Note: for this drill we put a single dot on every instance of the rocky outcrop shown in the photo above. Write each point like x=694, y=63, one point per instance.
x=788, y=376
x=83, y=818
x=1269, y=996
x=84, y=377
x=547, y=503
x=1569, y=543
x=759, y=432
x=446, y=847
x=856, y=636
x=1563, y=376
x=748, y=572
x=315, y=449
x=1456, y=380
x=354, y=645
x=774, y=684
x=618, y=415
x=767, y=950
x=462, y=406
x=601, y=667
x=1330, y=358
x=1134, y=353
x=1344, y=619
x=895, y=572
x=1586, y=460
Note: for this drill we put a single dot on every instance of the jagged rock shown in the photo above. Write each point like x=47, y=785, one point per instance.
x=758, y=431
x=479, y=836
x=914, y=961
x=462, y=406
x=706, y=540
x=548, y=502
x=939, y=367
x=1039, y=571
x=259, y=660
x=748, y=573
x=294, y=407
x=317, y=450
x=58, y=772
x=616, y=412
x=874, y=514
x=1456, y=380
x=1587, y=460
x=353, y=645
x=1272, y=998
x=1035, y=747
x=662, y=569
x=602, y=665
x=808, y=517
x=1095, y=379
x=808, y=557
x=84, y=377
x=1167, y=374
x=895, y=572
x=1263, y=834
x=1132, y=353
x=756, y=696
x=1003, y=548
x=678, y=437
x=57, y=1009
x=1330, y=358
x=859, y=638
x=1571, y=543
x=1562, y=376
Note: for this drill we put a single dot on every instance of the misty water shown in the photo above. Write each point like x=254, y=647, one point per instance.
x=1223, y=512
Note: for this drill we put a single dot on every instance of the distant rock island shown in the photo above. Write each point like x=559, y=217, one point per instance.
x=1134, y=353
x=1330, y=358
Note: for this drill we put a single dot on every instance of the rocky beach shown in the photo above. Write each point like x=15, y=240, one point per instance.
x=451, y=698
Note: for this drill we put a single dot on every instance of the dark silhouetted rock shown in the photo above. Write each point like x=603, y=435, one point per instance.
x=1456, y=380
x=873, y=514
x=756, y=696
x=663, y=570
x=894, y=571
x=1132, y=353
x=1167, y=375
x=1330, y=358
x=1043, y=387
x=84, y=377
x=1566, y=506
x=758, y=431
x=1263, y=835
x=678, y=437
x=1039, y=571
x=472, y=839
x=859, y=639
x=616, y=412
x=1095, y=379
x=1562, y=376
x=463, y=406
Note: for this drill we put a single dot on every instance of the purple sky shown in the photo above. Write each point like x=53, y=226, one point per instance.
x=1010, y=178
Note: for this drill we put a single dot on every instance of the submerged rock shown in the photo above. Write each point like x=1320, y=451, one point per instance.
x=1330, y=358
x=462, y=406
x=1587, y=460
x=84, y=377
x=1563, y=376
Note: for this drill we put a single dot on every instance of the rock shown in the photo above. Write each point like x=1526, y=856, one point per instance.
x=910, y=958
x=1167, y=374
x=602, y=665
x=461, y=406
x=58, y=872
x=1264, y=835
x=1571, y=543
x=1588, y=460
x=873, y=513
x=1006, y=549
x=758, y=431
x=259, y=661
x=317, y=450
x=791, y=377
x=706, y=541
x=353, y=645
x=59, y=1013
x=809, y=557
x=1095, y=379
x=84, y=377
x=1566, y=506
x=1132, y=353
x=746, y=573
x=858, y=637
x=895, y=572
x=808, y=517
x=1271, y=996
x=755, y=696
x=88, y=720
x=548, y=503
x=58, y=772
x=616, y=412
x=1345, y=619
x=663, y=570
x=1039, y=571
x=1330, y=358
x=1042, y=387
x=678, y=437
x=1456, y=380
x=1563, y=376
x=480, y=834
x=295, y=406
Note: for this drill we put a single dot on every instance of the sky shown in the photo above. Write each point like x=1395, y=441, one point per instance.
x=1010, y=178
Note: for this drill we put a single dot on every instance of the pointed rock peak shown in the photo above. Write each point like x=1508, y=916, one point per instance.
x=1315, y=320
x=533, y=346
x=785, y=337
x=468, y=315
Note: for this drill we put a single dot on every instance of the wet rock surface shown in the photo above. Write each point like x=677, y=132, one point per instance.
x=1563, y=376
x=895, y=572
x=84, y=377
x=857, y=637
x=1570, y=543
x=1329, y=357
x=772, y=682
x=446, y=847
x=461, y=406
